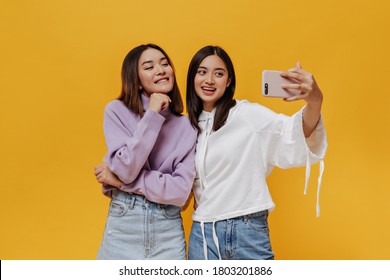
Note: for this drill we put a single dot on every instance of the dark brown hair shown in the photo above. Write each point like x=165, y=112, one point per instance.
x=223, y=105
x=131, y=94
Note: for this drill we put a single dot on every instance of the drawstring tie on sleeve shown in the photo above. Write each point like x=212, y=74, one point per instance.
x=308, y=170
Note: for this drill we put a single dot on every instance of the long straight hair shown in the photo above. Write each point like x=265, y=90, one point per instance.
x=225, y=103
x=131, y=93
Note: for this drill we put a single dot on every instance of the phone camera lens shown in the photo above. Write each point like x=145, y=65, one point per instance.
x=266, y=89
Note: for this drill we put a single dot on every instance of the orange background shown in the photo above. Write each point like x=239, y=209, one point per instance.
x=60, y=64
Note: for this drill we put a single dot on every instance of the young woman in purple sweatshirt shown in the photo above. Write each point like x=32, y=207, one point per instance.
x=151, y=150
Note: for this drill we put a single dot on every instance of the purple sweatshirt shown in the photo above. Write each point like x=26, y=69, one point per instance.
x=152, y=156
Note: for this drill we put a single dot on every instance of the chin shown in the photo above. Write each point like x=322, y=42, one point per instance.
x=163, y=90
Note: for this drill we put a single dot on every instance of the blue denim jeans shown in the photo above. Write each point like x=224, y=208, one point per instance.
x=138, y=229
x=242, y=238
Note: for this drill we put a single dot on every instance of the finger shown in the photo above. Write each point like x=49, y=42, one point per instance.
x=291, y=86
x=100, y=168
x=304, y=88
x=297, y=67
x=304, y=73
x=167, y=99
x=166, y=103
x=102, y=179
x=298, y=70
x=295, y=98
x=97, y=167
x=296, y=75
x=289, y=99
x=301, y=77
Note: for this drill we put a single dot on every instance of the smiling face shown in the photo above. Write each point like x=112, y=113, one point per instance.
x=211, y=81
x=155, y=73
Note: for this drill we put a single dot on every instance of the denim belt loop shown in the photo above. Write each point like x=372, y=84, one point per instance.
x=132, y=202
x=145, y=202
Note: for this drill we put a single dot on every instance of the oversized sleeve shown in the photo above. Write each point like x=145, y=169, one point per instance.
x=288, y=144
x=284, y=144
x=167, y=188
x=129, y=140
x=282, y=139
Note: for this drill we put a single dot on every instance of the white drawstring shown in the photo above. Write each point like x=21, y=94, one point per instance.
x=215, y=238
x=203, y=150
x=322, y=167
x=308, y=170
x=204, y=241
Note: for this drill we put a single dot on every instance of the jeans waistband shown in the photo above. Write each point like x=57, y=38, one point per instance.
x=243, y=217
x=134, y=199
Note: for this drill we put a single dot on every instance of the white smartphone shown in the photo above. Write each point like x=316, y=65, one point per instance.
x=272, y=85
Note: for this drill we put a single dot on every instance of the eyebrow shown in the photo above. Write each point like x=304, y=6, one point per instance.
x=150, y=61
x=216, y=69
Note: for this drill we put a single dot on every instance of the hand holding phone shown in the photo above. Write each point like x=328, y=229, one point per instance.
x=272, y=83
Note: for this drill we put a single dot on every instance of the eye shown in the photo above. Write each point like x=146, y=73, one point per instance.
x=164, y=62
x=148, y=68
x=201, y=72
x=219, y=74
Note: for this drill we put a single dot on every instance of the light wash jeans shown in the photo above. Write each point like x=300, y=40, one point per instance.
x=242, y=238
x=138, y=229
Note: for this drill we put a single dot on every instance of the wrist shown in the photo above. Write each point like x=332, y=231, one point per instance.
x=157, y=110
x=315, y=105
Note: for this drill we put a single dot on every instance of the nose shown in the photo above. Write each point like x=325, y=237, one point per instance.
x=160, y=70
x=210, y=79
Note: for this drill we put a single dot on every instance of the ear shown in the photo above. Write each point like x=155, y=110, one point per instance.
x=228, y=83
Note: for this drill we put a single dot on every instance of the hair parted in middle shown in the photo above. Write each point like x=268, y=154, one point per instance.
x=132, y=88
x=223, y=105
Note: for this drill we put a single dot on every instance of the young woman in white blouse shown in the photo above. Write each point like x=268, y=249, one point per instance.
x=238, y=145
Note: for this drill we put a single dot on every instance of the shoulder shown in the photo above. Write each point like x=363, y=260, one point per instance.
x=115, y=105
x=256, y=115
x=246, y=108
x=117, y=112
x=119, y=109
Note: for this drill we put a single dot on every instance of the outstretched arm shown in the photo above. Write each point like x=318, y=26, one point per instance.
x=310, y=92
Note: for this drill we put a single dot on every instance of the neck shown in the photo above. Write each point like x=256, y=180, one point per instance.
x=208, y=108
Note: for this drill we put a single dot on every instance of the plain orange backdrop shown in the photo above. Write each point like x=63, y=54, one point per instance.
x=60, y=64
